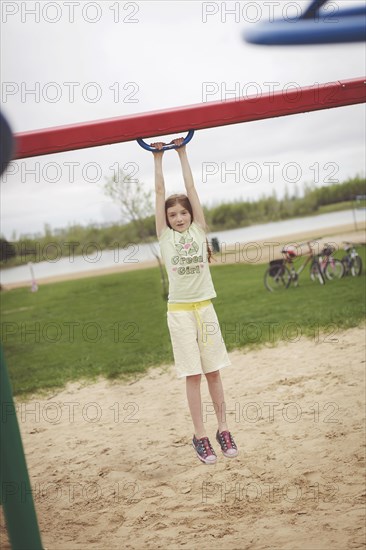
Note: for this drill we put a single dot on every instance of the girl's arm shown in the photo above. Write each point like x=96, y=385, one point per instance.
x=198, y=214
x=160, y=218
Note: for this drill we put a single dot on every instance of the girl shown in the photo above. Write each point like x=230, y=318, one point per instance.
x=194, y=329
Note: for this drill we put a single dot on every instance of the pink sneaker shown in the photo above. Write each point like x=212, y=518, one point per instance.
x=227, y=444
x=204, y=450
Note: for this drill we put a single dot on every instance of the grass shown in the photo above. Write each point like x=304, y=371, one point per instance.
x=337, y=206
x=115, y=325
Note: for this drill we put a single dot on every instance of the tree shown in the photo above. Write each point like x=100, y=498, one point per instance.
x=7, y=250
x=136, y=204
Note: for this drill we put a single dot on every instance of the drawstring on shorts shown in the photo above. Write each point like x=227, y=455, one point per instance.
x=195, y=307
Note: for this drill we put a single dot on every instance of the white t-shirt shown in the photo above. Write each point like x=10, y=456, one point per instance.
x=185, y=258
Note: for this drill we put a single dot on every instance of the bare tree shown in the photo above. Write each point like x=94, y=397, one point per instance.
x=135, y=204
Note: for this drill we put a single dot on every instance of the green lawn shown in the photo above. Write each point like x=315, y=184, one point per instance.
x=115, y=325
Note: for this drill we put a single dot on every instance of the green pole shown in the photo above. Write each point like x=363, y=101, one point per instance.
x=15, y=490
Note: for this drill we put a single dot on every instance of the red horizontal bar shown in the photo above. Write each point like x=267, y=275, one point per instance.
x=191, y=117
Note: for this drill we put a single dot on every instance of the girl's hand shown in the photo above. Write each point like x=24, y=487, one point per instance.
x=158, y=145
x=178, y=142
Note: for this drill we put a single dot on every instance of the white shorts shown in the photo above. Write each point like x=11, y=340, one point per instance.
x=195, y=333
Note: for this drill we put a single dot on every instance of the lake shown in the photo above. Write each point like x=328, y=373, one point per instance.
x=96, y=259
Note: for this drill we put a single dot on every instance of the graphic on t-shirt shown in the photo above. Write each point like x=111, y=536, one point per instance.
x=187, y=249
x=186, y=246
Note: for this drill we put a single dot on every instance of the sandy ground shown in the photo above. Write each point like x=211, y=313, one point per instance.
x=112, y=467
x=111, y=464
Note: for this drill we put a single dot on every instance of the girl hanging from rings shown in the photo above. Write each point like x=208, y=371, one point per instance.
x=195, y=333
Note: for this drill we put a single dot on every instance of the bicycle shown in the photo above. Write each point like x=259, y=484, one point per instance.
x=282, y=272
x=331, y=267
x=352, y=262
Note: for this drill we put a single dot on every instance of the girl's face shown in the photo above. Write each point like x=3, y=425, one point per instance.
x=179, y=217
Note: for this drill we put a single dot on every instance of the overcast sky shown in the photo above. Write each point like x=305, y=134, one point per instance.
x=75, y=61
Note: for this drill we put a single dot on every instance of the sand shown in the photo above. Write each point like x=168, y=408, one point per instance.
x=112, y=467
x=111, y=464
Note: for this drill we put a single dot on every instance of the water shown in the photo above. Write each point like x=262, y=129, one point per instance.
x=94, y=259
x=289, y=227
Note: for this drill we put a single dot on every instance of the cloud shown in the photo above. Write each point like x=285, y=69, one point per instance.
x=165, y=59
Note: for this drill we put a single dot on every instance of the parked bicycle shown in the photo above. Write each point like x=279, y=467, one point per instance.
x=352, y=262
x=282, y=272
x=331, y=267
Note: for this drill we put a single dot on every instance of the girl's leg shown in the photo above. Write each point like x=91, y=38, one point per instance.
x=193, y=388
x=223, y=436
x=217, y=395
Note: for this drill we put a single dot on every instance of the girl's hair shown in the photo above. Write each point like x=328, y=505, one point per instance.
x=183, y=200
